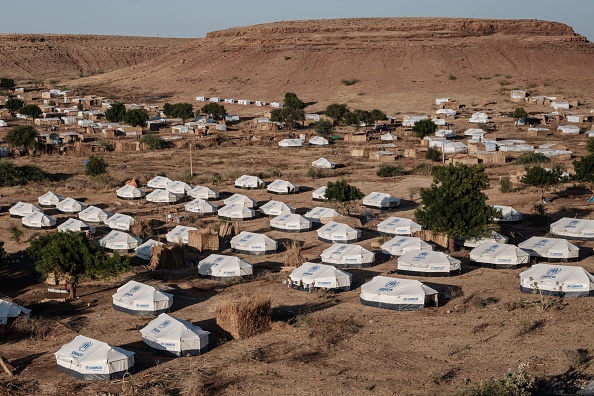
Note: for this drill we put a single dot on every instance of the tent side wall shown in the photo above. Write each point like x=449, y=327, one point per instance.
x=137, y=312
x=393, y=307
x=252, y=252
x=96, y=377
x=556, y=293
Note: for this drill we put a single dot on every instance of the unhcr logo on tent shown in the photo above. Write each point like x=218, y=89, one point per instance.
x=389, y=286
x=219, y=259
x=421, y=256
x=313, y=268
x=135, y=289
x=541, y=243
x=554, y=271
x=85, y=346
x=400, y=242
x=573, y=224
x=165, y=324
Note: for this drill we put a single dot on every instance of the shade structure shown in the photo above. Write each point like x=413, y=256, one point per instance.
x=171, y=336
x=22, y=209
x=201, y=192
x=179, y=234
x=249, y=182
x=338, y=232
x=76, y=225
x=318, y=141
x=319, y=194
x=348, y=256
x=499, y=254
x=178, y=187
x=200, y=206
x=312, y=275
x=220, y=266
x=400, y=245
x=317, y=214
x=162, y=196
x=282, y=187
x=236, y=212
x=494, y=237
x=508, y=214
x=136, y=298
x=49, y=199
x=240, y=199
x=290, y=222
x=276, y=208
x=253, y=243
x=422, y=262
x=558, y=280
x=159, y=182
x=130, y=192
x=10, y=310
x=295, y=143
x=381, y=201
x=119, y=240
x=573, y=228
x=145, y=251
x=93, y=214
x=88, y=359
x=397, y=294
x=398, y=226
x=550, y=248
x=70, y=205
x=38, y=220
x=323, y=163
x=120, y=221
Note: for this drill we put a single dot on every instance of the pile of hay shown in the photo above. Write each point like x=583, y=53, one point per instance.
x=244, y=317
x=167, y=257
x=293, y=257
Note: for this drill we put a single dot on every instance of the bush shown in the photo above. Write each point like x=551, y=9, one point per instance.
x=31, y=110
x=154, y=142
x=315, y=173
x=11, y=175
x=328, y=329
x=15, y=232
x=532, y=158
x=519, y=113
x=95, y=166
x=13, y=105
x=423, y=128
x=22, y=136
x=116, y=112
x=590, y=145
x=514, y=383
x=387, y=170
x=3, y=256
x=349, y=82
x=107, y=145
x=324, y=128
x=506, y=185
x=423, y=170
x=433, y=154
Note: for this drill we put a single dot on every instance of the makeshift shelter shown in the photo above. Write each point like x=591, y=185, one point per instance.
x=159, y=182
x=145, y=251
x=136, y=298
x=398, y=226
x=381, y=201
x=508, y=214
x=323, y=163
x=294, y=143
x=573, y=228
x=70, y=205
x=93, y=214
x=400, y=245
x=88, y=359
x=557, y=280
x=38, y=220
x=179, y=234
x=201, y=192
x=290, y=222
x=120, y=221
x=348, y=256
x=322, y=276
x=10, y=310
x=422, y=262
x=550, y=248
x=338, y=232
x=318, y=214
x=397, y=294
x=240, y=199
x=249, y=182
x=22, y=209
x=178, y=187
x=319, y=194
x=252, y=243
x=75, y=225
x=220, y=266
x=318, y=141
x=276, y=208
x=494, y=237
x=282, y=187
x=200, y=206
x=236, y=212
x=500, y=255
x=175, y=337
x=49, y=199
x=118, y=240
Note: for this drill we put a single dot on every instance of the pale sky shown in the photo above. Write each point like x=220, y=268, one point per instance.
x=194, y=18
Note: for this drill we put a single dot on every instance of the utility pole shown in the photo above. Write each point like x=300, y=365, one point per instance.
x=191, y=169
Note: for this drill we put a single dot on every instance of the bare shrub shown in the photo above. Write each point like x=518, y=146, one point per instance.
x=244, y=317
x=528, y=326
x=481, y=302
x=293, y=256
x=144, y=228
x=578, y=357
x=328, y=329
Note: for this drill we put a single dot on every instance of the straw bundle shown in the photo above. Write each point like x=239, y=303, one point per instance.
x=244, y=317
x=167, y=257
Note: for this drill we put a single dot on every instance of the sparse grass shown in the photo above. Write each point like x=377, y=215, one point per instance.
x=316, y=173
x=504, y=83
x=514, y=383
x=451, y=77
x=423, y=170
x=481, y=302
x=349, y=82
x=528, y=326
x=15, y=232
x=445, y=378
x=531, y=84
x=287, y=57
x=328, y=329
x=578, y=358
x=507, y=76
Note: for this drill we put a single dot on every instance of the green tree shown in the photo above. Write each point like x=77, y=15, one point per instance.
x=590, y=145
x=22, y=136
x=543, y=178
x=215, y=110
x=13, y=105
x=337, y=112
x=293, y=102
x=324, y=128
x=30, y=110
x=378, y=115
x=80, y=107
x=73, y=256
x=456, y=204
x=136, y=117
x=7, y=84
x=387, y=170
x=11, y=175
x=116, y=112
x=532, y=158
x=519, y=113
x=584, y=169
x=342, y=193
x=179, y=110
x=96, y=166
x=292, y=111
x=423, y=128
x=433, y=154
x=154, y=142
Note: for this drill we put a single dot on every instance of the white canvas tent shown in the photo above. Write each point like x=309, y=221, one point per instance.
x=70, y=205
x=348, y=256
x=319, y=194
x=338, y=232
x=249, y=182
x=22, y=209
x=49, y=199
x=388, y=137
x=317, y=214
x=119, y=240
x=93, y=214
x=162, y=196
x=573, y=228
x=397, y=294
x=236, y=212
x=76, y=225
x=294, y=143
x=178, y=187
x=494, y=237
x=252, y=243
x=323, y=163
x=201, y=192
x=88, y=359
x=318, y=141
x=200, y=206
x=557, y=280
x=276, y=208
x=10, y=310
x=398, y=226
x=509, y=214
x=311, y=275
x=381, y=201
x=290, y=222
x=120, y=221
x=171, y=336
x=400, y=245
x=500, y=255
x=240, y=199
x=220, y=266
x=145, y=251
x=550, y=248
x=179, y=234
x=38, y=220
x=130, y=192
x=282, y=187
x=136, y=298
x=427, y=263
x=159, y=182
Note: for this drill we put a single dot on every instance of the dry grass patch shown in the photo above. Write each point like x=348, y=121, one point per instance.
x=328, y=329
x=244, y=317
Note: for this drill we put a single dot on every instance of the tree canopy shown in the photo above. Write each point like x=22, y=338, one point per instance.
x=116, y=112
x=215, y=110
x=590, y=145
x=13, y=105
x=337, y=112
x=179, y=110
x=22, y=136
x=324, y=128
x=11, y=175
x=7, y=84
x=96, y=166
x=543, y=178
x=74, y=256
x=456, y=204
x=584, y=168
x=292, y=111
x=342, y=193
x=154, y=142
x=377, y=115
x=3, y=256
x=424, y=128
x=30, y=110
x=519, y=113
x=136, y=117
